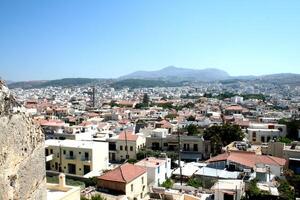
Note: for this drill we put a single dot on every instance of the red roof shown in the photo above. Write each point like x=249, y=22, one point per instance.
x=85, y=123
x=127, y=135
x=51, y=123
x=249, y=159
x=234, y=107
x=124, y=173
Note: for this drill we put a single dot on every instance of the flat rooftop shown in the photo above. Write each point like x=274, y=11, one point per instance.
x=72, y=143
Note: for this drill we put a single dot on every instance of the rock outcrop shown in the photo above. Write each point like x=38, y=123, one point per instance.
x=22, y=159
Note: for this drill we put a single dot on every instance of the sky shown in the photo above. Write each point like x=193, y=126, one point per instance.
x=51, y=39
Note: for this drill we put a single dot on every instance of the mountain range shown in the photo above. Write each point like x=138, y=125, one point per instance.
x=168, y=76
x=172, y=73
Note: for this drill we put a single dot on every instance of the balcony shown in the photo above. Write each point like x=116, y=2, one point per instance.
x=87, y=159
x=71, y=157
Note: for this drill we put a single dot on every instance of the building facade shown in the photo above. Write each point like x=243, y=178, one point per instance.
x=76, y=157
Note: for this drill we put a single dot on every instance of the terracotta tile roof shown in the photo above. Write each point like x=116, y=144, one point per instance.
x=234, y=107
x=85, y=123
x=249, y=159
x=51, y=123
x=124, y=173
x=129, y=136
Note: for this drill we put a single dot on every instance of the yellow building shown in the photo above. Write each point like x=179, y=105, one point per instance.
x=127, y=179
x=125, y=146
x=76, y=157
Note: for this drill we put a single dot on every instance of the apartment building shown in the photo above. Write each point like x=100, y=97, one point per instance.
x=125, y=146
x=262, y=133
x=76, y=157
x=193, y=147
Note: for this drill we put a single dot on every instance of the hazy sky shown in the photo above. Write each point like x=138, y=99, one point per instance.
x=48, y=39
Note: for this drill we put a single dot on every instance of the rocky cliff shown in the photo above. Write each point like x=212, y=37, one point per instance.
x=22, y=159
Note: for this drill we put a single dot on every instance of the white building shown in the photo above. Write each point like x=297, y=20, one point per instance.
x=261, y=133
x=237, y=99
x=158, y=169
x=229, y=189
x=76, y=157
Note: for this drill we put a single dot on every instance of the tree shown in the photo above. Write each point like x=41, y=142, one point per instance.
x=91, y=181
x=171, y=116
x=98, y=197
x=284, y=140
x=131, y=161
x=192, y=129
x=94, y=197
x=167, y=184
x=286, y=191
x=194, y=182
x=189, y=105
x=292, y=127
x=191, y=118
x=222, y=136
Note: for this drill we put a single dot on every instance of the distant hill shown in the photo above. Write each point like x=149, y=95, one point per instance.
x=167, y=77
x=143, y=83
x=282, y=78
x=66, y=82
x=180, y=74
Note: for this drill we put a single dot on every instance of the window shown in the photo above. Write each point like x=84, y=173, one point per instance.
x=121, y=148
x=131, y=148
x=131, y=187
x=126, y=148
x=262, y=139
x=71, y=153
x=254, y=136
x=142, y=180
x=165, y=144
x=51, y=151
x=47, y=152
x=57, y=155
x=86, y=155
x=127, y=156
x=158, y=170
x=64, y=152
x=195, y=147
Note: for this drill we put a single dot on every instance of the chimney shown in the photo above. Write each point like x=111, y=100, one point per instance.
x=62, y=180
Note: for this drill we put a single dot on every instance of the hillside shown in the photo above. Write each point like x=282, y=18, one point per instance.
x=180, y=74
x=66, y=82
x=141, y=83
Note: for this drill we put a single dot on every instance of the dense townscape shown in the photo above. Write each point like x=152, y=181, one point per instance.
x=201, y=140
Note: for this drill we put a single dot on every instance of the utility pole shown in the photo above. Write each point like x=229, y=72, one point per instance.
x=93, y=96
x=179, y=157
x=126, y=143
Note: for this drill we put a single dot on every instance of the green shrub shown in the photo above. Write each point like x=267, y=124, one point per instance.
x=167, y=184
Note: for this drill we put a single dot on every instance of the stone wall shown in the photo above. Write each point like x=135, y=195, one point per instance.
x=22, y=159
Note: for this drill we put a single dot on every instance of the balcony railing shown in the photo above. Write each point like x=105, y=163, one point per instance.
x=85, y=159
x=71, y=157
